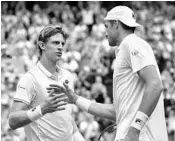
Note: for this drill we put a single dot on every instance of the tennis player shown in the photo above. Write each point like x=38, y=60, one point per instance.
x=45, y=116
x=138, y=107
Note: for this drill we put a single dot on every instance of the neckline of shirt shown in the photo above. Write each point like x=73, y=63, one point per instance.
x=117, y=48
x=46, y=72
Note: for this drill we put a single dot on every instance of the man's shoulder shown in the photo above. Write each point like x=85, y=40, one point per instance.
x=29, y=73
x=135, y=42
x=34, y=71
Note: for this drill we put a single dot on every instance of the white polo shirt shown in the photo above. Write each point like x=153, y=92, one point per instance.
x=31, y=89
x=132, y=55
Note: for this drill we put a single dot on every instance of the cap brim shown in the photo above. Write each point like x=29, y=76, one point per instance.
x=130, y=24
x=133, y=25
x=108, y=18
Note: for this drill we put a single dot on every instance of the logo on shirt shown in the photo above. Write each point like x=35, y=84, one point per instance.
x=134, y=53
x=21, y=87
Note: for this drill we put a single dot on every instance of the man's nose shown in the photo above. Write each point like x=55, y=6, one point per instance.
x=60, y=48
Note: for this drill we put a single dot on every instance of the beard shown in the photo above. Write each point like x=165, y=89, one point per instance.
x=112, y=43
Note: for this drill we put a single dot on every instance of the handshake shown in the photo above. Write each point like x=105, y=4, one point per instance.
x=58, y=97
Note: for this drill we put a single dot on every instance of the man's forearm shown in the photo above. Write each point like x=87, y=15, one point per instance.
x=150, y=99
x=103, y=110
x=94, y=108
x=152, y=91
x=18, y=119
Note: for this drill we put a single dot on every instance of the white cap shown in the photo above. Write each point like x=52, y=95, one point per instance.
x=124, y=14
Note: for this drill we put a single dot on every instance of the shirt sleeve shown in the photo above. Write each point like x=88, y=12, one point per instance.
x=25, y=91
x=141, y=55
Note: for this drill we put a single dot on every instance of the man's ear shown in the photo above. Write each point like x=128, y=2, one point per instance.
x=41, y=45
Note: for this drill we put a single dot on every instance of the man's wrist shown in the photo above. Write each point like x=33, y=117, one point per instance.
x=139, y=120
x=34, y=113
x=83, y=103
x=75, y=98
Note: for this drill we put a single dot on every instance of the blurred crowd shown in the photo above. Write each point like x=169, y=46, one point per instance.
x=86, y=53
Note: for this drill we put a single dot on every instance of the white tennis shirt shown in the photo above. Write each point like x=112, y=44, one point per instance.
x=132, y=55
x=31, y=89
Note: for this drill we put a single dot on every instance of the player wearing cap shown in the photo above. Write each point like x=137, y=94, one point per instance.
x=137, y=91
x=138, y=107
x=46, y=116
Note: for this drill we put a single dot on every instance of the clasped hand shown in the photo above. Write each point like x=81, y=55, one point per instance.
x=64, y=89
x=54, y=102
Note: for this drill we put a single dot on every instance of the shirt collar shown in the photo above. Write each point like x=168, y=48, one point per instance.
x=117, y=48
x=46, y=72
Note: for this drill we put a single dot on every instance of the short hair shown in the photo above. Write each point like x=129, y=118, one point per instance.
x=46, y=33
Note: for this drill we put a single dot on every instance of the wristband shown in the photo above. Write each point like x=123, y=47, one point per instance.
x=34, y=113
x=83, y=103
x=139, y=120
